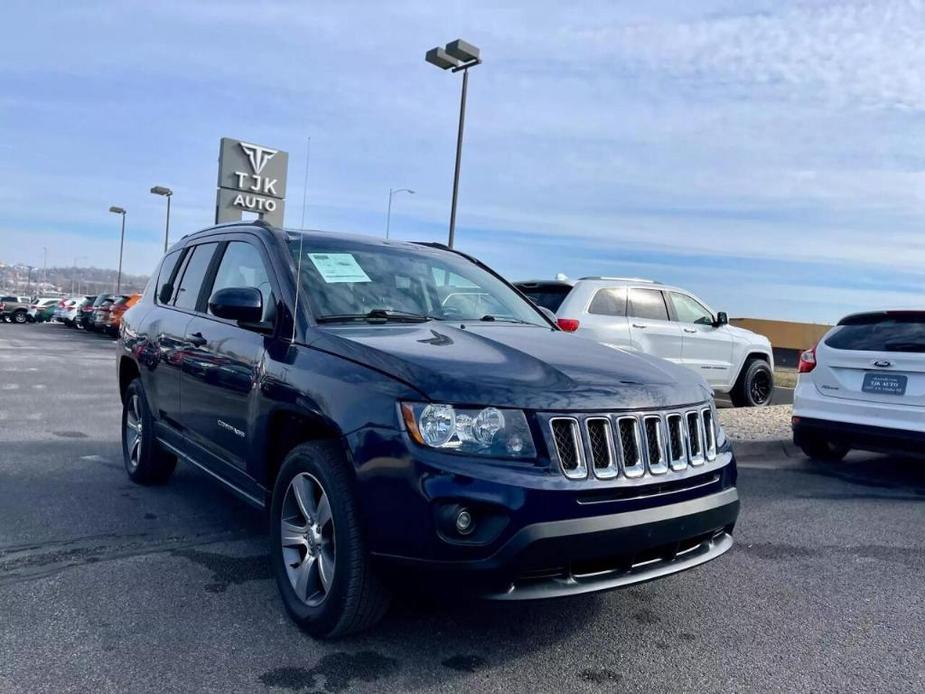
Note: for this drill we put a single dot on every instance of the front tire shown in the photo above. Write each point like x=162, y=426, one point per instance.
x=320, y=559
x=20, y=317
x=822, y=449
x=145, y=461
x=755, y=387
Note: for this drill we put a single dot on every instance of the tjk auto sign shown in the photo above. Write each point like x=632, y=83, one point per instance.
x=251, y=178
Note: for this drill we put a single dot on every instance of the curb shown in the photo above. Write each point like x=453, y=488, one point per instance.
x=750, y=450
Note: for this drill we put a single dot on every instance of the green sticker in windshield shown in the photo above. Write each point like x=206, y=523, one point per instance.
x=338, y=267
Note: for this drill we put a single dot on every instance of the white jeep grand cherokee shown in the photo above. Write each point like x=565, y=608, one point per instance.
x=666, y=322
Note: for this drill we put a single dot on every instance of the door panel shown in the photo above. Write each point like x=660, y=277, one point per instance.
x=706, y=350
x=650, y=328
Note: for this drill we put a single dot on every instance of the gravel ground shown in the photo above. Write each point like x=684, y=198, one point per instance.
x=757, y=423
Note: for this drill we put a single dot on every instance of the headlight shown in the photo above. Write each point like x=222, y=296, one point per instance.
x=489, y=431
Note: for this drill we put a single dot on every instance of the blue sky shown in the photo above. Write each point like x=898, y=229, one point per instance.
x=768, y=155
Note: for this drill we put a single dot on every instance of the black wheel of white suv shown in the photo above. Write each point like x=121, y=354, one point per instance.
x=755, y=387
x=145, y=461
x=322, y=567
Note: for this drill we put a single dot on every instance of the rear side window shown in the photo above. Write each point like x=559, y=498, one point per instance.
x=194, y=273
x=900, y=332
x=165, y=277
x=648, y=303
x=609, y=302
x=548, y=296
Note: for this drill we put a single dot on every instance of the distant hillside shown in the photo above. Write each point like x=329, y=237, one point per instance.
x=19, y=279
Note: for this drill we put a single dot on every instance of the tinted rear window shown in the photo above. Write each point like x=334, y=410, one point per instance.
x=609, y=302
x=548, y=296
x=648, y=303
x=902, y=332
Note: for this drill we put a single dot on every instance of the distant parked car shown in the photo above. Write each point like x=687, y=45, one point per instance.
x=668, y=322
x=87, y=311
x=102, y=311
x=14, y=309
x=863, y=387
x=116, y=311
x=42, y=310
x=71, y=312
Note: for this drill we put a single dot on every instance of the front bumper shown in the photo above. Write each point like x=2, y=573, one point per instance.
x=544, y=535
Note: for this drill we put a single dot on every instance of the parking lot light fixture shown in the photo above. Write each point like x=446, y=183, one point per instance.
x=167, y=193
x=120, y=210
x=388, y=218
x=456, y=56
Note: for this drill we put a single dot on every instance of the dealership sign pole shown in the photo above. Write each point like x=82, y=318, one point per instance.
x=251, y=178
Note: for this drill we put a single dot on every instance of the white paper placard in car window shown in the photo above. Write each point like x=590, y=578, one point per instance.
x=338, y=267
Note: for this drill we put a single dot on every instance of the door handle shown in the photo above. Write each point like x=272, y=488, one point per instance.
x=197, y=340
x=689, y=330
x=637, y=325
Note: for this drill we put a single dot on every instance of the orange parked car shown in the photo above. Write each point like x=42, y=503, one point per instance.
x=119, y=307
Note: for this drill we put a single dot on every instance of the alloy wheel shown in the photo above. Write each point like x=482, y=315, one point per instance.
x=133, y=431
x=761, y=388
x=307, y=534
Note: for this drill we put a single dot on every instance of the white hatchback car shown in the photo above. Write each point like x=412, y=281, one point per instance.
x=666, y=322
x=863, y=387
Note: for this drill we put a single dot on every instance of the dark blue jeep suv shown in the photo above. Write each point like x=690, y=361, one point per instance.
x=401, y=410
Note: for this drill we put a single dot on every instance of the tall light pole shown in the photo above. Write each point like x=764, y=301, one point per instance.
x=44, y=268
x=455, y=56
x=119, y=210
x=166, y=192
x=388, y=219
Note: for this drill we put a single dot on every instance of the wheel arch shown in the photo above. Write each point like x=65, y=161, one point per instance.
x=288, y=428
x=128, y=372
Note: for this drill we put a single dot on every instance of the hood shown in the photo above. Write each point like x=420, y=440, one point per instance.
x=510, y=365
x=747, y=335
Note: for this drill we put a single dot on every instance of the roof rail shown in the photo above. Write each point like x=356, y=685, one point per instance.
x=622, y=279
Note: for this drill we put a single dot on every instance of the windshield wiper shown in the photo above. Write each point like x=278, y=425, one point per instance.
x=504, y=319
x=377, y=315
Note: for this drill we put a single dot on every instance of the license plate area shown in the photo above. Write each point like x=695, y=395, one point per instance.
x=885, y=384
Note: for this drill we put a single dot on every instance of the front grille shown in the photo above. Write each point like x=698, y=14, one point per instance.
x=567, y=440
x=633, y=446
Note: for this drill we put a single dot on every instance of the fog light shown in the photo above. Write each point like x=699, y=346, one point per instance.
x=464, y=522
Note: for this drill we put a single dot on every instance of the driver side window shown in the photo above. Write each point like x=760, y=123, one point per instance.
x=689, y=310
x=242, y=266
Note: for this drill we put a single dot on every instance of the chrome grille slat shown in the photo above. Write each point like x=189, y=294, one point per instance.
x=709, y=434
x=632, y=462
x=677, y=445
x=636, y=447
x=655, y=448
x=567, y=438
x=601, y=448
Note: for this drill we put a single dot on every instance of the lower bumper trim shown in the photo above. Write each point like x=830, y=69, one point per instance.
x=555, y=587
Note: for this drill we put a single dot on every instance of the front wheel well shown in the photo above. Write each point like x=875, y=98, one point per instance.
x=285, y=431
x=128, y=372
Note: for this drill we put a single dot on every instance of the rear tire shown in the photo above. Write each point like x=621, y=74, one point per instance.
x=20, y=317
x=823, y=450
x=145, y=461
x=755, y=387
x=314, y=501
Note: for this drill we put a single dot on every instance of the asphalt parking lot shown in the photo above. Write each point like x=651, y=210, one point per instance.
x=110, y=587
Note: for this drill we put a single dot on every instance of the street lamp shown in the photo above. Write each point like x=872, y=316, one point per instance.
x=388, y=219
x=166, y=192
x=455, y=56
x=119, y=210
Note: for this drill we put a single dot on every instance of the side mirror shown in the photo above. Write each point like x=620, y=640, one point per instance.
x=721, y=319
x=242, y=304
x=549, y=314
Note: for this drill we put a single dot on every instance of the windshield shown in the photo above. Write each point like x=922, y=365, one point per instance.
x=347, y=279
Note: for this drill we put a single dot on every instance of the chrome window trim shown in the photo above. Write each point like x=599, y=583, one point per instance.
x=581, y=471
x=613, y=468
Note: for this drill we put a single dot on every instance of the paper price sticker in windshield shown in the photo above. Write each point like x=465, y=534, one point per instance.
x=338, y=267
